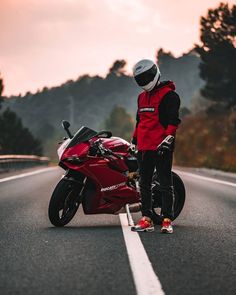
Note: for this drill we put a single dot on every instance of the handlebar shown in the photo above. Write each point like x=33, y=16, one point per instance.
x=104, y=151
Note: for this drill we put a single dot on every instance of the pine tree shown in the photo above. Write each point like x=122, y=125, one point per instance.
x=118, y=67
x=14, y=138
x=218, y=55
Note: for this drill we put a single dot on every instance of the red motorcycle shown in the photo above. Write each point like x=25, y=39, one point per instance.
x=102, y=175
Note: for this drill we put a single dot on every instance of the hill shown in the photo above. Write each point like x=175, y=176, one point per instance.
x=90, y=99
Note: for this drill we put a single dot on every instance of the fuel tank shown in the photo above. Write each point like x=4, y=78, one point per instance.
x=116, y=144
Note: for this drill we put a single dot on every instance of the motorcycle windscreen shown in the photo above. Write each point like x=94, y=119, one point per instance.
x=82, y=135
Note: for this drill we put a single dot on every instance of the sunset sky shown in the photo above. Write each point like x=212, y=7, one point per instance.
x=46, y=42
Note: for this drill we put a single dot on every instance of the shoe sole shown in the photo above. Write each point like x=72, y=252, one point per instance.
x=150, y=229
x=165, y=231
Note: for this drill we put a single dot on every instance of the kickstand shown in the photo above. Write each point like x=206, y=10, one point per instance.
x=129, y=216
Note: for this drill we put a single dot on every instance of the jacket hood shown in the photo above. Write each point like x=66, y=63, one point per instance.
x=169, y=84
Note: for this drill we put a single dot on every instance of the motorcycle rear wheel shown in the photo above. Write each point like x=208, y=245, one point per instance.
x=64, y=202
x=179, y=192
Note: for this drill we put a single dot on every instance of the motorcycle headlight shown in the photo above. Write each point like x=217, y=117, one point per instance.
x=74, y=160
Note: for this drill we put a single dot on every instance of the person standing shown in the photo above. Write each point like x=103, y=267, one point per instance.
x=157, y=120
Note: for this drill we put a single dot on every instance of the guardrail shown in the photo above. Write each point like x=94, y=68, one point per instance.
x=14, y=162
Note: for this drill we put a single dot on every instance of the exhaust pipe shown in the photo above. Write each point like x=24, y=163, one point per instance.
x=136, y=207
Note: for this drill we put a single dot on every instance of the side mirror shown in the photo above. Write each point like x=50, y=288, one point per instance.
x=66, y=125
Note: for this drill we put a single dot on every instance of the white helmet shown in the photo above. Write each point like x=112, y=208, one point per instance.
x=146, y=74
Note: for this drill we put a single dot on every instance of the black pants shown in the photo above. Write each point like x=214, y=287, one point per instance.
x=148, y=161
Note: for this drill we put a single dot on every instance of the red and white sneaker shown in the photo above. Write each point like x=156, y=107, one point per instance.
x=143, y=225
x=167, y=227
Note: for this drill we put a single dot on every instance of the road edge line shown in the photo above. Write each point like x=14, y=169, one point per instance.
x=206, y=178
x=145, y=280
x=27, y=174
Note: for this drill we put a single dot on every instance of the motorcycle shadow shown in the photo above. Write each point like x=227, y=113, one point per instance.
x=71, y=228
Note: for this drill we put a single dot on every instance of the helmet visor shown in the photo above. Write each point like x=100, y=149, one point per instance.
x=146, y=77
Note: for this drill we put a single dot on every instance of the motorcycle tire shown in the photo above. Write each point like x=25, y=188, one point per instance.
x=64, y=202
x=179, y=192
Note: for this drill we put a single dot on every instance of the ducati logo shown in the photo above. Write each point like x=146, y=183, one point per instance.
x=113, y=187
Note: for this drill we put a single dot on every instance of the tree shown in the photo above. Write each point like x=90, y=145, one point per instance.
x=164, y=57
x=120, y=123
x=15, y=139
x=184, y=112
x=183, y=70
x=218, y=55
x=118, y=67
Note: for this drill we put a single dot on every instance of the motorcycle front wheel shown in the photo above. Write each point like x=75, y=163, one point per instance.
x=64, y=202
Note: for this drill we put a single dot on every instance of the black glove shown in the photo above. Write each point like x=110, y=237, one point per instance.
x=134, y=141
x=166, y=145
x=132, y=148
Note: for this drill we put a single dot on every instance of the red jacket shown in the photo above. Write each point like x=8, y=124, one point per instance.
x=149, y=131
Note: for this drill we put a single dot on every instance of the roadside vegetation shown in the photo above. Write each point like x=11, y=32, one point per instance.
x=207, y=137
x=207, y=140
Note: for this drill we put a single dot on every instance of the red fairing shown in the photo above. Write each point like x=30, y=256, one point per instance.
x=108, y=176
x=112, y=191
x=79, y=150
x=150, y=132
x=117, y=145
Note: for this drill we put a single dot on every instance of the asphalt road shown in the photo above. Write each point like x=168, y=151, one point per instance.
x=90, y=257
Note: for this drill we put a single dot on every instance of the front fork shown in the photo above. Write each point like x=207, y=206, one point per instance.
x=78, y=198
x=82, y=190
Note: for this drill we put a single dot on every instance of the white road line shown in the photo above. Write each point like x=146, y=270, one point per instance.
x=206, y=178
x=145, y=279
x=27, y=174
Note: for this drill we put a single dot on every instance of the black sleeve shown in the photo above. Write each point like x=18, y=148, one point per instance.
x=172, y=105
x=137, y=119
x=134, y=139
